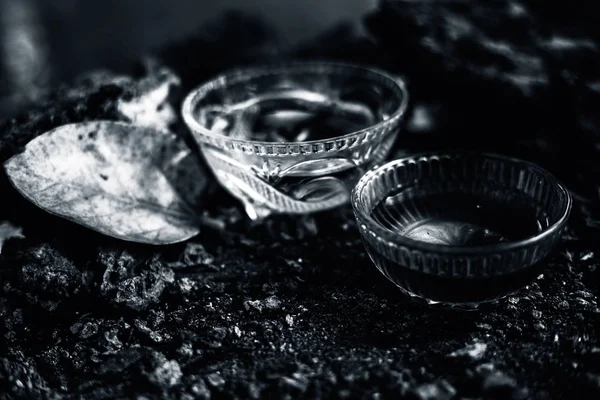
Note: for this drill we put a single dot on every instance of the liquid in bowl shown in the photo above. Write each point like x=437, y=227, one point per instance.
x=295, y=138
x=460, y=229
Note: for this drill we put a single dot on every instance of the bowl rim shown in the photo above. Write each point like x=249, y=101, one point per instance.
x=365, y=218
x=244, y=73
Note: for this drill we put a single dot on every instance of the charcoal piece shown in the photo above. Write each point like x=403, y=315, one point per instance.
x=193, y=254
x=154, y=336
x=138, y=363
x=55, y=365
x=85, y=330
x=99, y=346
x=269, y=304
x=166, y=374
x=111, y=336
x=19, y=378
x=40, y=274
x=102, y=391
x=195, y=387
x=133, y=282
x=46, y=271
x=118, y=363
x=441, y=390
x=12, y=324
x=498, y=385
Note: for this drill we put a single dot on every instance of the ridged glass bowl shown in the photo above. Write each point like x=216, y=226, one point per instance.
x=460, y=229
x=295, y=138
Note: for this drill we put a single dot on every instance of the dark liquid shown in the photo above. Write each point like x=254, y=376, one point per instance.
x=458, y=219
x=453, y=289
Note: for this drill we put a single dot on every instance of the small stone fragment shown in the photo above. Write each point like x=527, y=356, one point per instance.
x=119, y=362
x=215, y=379
x=499, y=385
x=289, y=319
x=297, y=381
x=199, y=389
x=42, y=275
x=193, y=254
x=439, y=390
x=474, y=351
x=186, y=351
x=143, y=328
x=166, y=374
x=563, y=305
x=186, y=284
x=88, y=330
x=237, y=331
x=270, y=303
x=485, y=369
x=22, y=380
x=134, y=284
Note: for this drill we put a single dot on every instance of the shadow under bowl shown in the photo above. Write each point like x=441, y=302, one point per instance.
x=295, y=137
x=460, y=229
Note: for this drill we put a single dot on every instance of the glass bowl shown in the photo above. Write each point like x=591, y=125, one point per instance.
x=460, y=229
x=296, y=137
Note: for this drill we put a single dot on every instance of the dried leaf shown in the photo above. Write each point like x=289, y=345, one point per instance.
x=131, y=182
x=8, y=231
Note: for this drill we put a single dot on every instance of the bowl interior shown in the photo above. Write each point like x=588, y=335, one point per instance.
x=301, y=102
x=461, y=201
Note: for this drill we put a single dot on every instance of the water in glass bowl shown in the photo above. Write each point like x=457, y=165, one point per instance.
x=295, y=115
x=459, y=219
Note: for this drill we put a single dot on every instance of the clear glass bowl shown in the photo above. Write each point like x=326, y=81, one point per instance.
x=460, y=229
x=294, y=138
